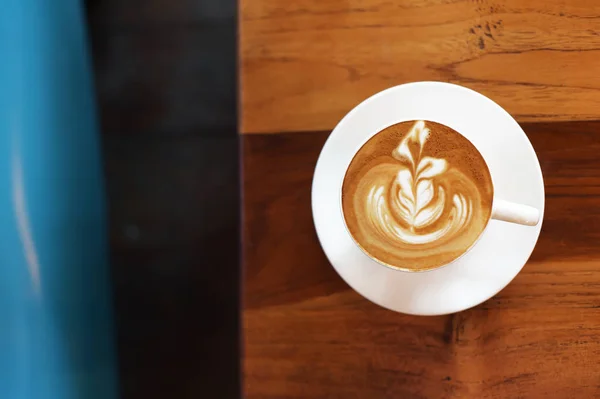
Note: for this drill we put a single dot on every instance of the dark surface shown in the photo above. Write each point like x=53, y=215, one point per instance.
x=307, y=334
x=165, y=77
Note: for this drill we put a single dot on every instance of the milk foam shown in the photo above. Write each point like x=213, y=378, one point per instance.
x=417, y=195
x=412, y=206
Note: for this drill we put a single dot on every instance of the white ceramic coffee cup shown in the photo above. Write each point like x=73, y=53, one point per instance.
x=502, y=210
x=502, y=249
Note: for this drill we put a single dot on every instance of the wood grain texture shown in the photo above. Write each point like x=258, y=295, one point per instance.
x=308, y=335
x=305, y=63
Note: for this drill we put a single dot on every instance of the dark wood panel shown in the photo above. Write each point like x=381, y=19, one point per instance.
x=165, y=77
x=174, y=231
x=156, y=77
x=134, y=13
x=307, y=334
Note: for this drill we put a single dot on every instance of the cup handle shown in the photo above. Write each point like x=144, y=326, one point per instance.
x=515, y=213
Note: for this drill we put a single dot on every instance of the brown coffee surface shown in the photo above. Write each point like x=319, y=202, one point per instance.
x=417, y=195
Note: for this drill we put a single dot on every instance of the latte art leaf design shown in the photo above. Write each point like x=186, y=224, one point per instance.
x=417, y=195
x=417, y=199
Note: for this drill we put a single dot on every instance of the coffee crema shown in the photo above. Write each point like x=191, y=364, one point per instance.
x=417, y=195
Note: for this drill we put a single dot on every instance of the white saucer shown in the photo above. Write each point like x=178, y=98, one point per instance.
x=503, y=248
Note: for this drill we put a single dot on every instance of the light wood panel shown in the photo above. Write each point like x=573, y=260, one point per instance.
x=305, y=63
x=308, y=335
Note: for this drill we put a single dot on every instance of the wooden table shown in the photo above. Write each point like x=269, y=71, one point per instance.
x=306, y=333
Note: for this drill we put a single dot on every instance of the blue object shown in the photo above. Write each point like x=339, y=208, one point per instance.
x=56, y=328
